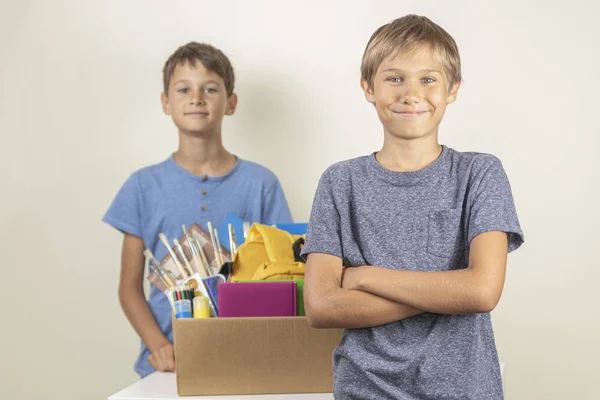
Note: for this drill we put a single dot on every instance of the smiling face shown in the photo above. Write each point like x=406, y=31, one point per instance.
x=197, y=100
x=410, y=93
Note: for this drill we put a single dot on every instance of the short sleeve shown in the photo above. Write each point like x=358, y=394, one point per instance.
x=124, y=212
x=493, y=207
x=275, y=209
x=324, y=231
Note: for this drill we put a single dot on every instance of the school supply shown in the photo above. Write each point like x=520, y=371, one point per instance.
x=237, y=224
x=211, y=284
x=181, y=253
x=298, y=228
x=246, y=229
x=300, y=312
x=232, y=241
x=214, y=241
x=219, y=248
x=196, y=282
x=210, y=256
x=257, y=299
x=269, y=254
x=156, y=271
x=199, y=263
x=195, y=243
x=201, y=307
x=182, y=301
x=165, y=241
x=192, y=253
x=183, y=308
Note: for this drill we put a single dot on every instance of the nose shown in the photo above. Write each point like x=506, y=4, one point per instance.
x=196, y=97
x=410, y=94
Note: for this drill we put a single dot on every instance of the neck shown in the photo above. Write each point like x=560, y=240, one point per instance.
x=402, y=155
x=203, y=155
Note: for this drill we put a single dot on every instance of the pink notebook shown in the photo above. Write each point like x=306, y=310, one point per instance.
x=257, y=299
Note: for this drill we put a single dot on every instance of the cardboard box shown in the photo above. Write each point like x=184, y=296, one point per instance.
x=218, y=356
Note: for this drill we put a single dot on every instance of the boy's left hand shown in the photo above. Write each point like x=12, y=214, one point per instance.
x=352, y=277
x=163, y=359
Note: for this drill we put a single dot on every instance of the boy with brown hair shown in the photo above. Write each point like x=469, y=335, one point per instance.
x=407, y=247
x=200, y=182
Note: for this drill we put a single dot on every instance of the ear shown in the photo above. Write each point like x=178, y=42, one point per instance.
x=369, y=92
x=453, y=93
x=164, y=100
x=231, y=104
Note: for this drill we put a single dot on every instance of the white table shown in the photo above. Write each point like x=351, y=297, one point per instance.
x=162, y=385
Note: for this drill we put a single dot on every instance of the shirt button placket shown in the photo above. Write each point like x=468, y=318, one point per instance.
x=204, y=179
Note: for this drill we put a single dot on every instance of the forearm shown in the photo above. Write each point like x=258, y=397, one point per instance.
x=447, y=292
x=141, y=318
x=342, y=308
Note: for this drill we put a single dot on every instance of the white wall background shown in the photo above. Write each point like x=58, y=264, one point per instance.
x=79, y=111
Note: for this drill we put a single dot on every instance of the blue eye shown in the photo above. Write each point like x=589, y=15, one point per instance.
x=428, y=80
x=211, y=90
x=394, y=79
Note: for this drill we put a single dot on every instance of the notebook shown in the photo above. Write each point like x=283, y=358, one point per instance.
x=299, y=295
x=257, y=299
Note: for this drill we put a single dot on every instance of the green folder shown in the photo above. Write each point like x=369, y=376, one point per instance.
x=299, y=294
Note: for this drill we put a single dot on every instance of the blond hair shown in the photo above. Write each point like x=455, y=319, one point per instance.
x=409, y=33
x=212, y=58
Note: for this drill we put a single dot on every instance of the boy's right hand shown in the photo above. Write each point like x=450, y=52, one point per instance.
x=163, y=359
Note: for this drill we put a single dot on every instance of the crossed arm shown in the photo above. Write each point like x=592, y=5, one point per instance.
x=368, y=296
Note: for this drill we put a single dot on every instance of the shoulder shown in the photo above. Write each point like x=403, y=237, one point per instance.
x=154, y=170
x=474, y=163
x=144, y=179
x=481, y=172
x=343, y=171
x=256, y=173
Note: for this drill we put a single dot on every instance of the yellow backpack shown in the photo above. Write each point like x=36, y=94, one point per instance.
x=268, y=254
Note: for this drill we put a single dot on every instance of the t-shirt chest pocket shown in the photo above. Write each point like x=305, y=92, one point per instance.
x=445, y=237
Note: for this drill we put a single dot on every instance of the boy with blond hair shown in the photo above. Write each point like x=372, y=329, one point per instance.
x=407, y=247
x=200, y=182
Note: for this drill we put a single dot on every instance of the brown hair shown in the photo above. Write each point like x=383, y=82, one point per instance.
x=408, y=33
x=212, y=58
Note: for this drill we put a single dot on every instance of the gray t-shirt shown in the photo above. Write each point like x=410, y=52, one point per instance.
x=421, y=221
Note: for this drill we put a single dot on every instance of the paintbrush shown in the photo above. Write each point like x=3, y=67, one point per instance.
x=196, y=259
x=156, y=272
x=159, y=269
x=220, y=258
x=183, y=256
x=214, y=243
x=202, y=256
x=232, y=242
x=163, y=239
